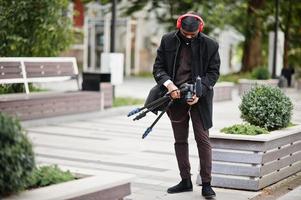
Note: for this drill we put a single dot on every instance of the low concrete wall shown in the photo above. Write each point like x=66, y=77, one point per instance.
x=49, y=104
x=244, y=85
x=106, y=90
x=298, y=84
x=254, y=162
x=105, y=186
x=223, y=91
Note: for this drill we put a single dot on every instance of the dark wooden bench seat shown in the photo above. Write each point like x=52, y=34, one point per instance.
x=44, y=104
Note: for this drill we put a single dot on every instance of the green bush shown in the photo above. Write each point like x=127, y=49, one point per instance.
x=16, y=156
x=34, y=28
x=244, y=129
x=260, y=73
x=267, y=107
x=48, y=175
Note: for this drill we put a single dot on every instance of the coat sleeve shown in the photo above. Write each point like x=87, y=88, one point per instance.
x=160, y=68
x=212, y=73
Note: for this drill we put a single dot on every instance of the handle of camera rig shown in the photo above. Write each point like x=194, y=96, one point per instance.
x=149, y=129
x=198, y=87
x=151, y=108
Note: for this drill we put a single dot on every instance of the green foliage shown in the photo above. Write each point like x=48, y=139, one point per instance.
x=261, y=73
x=247, y=17
x=244, y=129
x=48, y=175
x=234, y=77
x=267, y=107
x=34, y=28
x=17, y=88
x=16, y=156
x=215, y=13
x=125, y=101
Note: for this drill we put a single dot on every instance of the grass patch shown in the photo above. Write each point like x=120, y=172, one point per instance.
x=291, y=124
x=145, y=75
x=234, y=77
x=126, y=101
x=244, y=129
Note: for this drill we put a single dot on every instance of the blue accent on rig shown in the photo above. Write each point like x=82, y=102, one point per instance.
x=148, y=130
x=136, y=110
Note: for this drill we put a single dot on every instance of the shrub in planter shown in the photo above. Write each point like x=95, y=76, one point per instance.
x=261, y=73
x=18, y=88
x=244, y=129
x=16, y=156
x=48, y=175
x=267, y=107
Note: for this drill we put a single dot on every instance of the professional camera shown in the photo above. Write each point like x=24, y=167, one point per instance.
x=188, y=90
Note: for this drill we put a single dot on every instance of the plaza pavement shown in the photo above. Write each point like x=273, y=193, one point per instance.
x=110, y=141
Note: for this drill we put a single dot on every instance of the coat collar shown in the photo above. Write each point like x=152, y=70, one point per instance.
x=199, y=37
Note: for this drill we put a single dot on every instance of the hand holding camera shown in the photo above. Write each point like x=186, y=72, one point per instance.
x=174, y=91
x=191, y=92
x=194, y=100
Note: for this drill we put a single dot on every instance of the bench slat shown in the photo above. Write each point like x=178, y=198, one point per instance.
x=47, y=69
x=10, y=70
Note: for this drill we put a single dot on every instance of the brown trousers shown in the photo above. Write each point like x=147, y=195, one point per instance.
x=179, y=114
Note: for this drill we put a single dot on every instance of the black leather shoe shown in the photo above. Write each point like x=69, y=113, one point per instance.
x=184, y=186
x=208, y=192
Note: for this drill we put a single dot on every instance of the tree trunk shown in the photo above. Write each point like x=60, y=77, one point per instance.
x=252, y=52
x=287, y=34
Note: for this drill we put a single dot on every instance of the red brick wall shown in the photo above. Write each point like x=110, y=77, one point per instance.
x=78, y=18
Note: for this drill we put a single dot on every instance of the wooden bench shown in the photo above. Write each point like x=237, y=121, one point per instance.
x=44, y=104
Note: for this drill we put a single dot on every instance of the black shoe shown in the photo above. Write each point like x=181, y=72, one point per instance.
x=184, y=186
x=208, y=192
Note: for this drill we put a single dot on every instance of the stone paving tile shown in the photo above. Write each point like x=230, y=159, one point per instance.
x=292, y=195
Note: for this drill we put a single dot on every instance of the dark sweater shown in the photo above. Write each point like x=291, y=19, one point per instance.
x=183, y=73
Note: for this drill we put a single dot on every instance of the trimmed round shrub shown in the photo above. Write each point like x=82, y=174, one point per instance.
x=16, y=156
x=267, y=107
x=261, y=73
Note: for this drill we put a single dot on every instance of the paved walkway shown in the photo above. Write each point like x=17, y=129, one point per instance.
x=109, y=141
x=293, y=195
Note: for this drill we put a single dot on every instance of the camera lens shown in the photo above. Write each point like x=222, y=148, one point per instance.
x=189, y=96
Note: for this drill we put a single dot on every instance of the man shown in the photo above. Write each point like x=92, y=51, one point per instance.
x=182, y=56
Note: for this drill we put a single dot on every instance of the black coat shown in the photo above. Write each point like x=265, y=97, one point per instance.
x=206, y=63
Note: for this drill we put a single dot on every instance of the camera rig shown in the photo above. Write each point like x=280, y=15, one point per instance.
x=186, y=90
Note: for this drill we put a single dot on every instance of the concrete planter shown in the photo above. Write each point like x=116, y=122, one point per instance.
x=108, y=186
x=223, y=91
x=244, y=85
x=254, y=162
x=298, y=83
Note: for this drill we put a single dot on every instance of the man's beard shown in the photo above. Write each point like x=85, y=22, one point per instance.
x=186, y=40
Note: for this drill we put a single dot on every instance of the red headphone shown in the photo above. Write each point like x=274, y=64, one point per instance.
x=179, y=21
